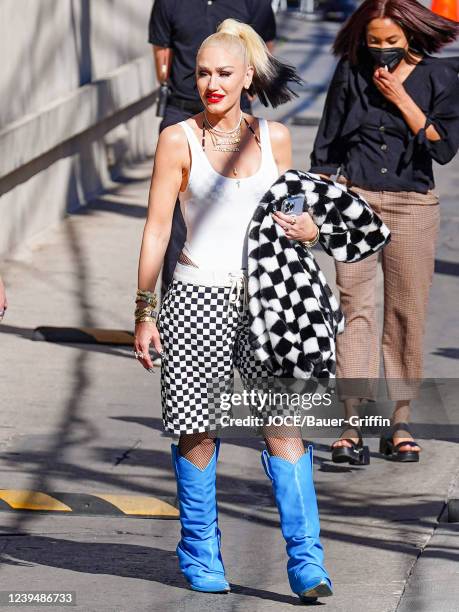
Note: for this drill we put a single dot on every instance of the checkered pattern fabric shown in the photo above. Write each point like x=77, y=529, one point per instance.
x=294, y=316
x=203, y=337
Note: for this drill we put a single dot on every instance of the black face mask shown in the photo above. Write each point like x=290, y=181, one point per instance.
x=387, y=57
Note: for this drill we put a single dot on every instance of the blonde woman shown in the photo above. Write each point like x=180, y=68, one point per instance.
x=221, y=162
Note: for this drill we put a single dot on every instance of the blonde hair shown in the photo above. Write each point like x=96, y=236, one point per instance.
x=253, y=47
x=270, y=77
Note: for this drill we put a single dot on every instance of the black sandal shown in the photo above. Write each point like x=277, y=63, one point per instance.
x=356, y=454
x=392, y=451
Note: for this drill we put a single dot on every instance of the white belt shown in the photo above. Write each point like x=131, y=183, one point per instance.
x=236, y=280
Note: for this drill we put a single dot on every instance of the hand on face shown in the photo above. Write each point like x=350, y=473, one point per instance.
x=389, y=85
x=387, y=42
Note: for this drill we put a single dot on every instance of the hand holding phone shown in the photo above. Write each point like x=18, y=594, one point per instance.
x=300, y=226
x=293, y=205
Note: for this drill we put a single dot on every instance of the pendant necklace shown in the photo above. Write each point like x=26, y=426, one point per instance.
x=226, y=141
x=223, y=141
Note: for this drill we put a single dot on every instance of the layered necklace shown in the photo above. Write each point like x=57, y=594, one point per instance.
x=225, y=141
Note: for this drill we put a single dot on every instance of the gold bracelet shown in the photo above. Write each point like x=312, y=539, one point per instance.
x=150, y=302
x=310, y=243
x=146, y=320
x=146, y=296
x=146, y=292
x=146, y=316
x=148, y=311
x=145, y=312
x=140, y=308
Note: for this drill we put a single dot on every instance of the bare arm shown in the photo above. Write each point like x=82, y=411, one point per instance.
x=281, y=143
x=171, y=162
x=163, y=61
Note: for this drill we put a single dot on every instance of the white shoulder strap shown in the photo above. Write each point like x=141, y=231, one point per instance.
x=191, y=137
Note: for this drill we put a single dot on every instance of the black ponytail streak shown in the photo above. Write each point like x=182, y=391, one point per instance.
x=275, y=90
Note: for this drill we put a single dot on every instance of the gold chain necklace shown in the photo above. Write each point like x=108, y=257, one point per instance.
x=228, y=143
x=224, y=141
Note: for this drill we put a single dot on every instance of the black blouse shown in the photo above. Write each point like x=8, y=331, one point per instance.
x=366, y=135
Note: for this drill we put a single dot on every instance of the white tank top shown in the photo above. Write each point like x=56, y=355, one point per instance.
x=217, y=210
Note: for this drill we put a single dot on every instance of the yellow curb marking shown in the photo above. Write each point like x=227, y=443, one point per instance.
x=20, y=499
x=31, y=500
x=140, y=505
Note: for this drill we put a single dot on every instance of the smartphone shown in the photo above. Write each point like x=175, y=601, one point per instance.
x=293, y=205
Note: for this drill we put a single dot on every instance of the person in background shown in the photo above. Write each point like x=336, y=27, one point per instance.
x=176, y=31
x=391, y=110
x=3, y=300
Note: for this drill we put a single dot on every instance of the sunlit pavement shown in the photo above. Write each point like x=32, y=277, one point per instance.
x=86, y=419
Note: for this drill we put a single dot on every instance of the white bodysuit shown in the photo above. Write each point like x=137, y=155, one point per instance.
x=217, y=210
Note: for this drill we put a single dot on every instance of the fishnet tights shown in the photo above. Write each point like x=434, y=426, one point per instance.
x=197, y=448
x=284, y=441
x=281, y=441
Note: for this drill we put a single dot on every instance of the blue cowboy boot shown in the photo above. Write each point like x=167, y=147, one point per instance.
x=293, y=488
x=199, y=548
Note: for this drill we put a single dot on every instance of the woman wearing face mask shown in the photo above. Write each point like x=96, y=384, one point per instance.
x=220, y=162
x=391, y=109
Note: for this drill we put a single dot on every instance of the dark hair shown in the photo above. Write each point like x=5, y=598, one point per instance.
x=426, y=31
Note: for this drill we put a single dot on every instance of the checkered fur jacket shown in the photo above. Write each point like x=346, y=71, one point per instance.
x=294, y=316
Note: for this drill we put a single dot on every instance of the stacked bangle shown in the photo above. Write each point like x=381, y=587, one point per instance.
x=146, y=296
x=310, y=243
x=148, y=313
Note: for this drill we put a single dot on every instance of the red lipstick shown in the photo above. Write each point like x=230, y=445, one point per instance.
x=213, y=98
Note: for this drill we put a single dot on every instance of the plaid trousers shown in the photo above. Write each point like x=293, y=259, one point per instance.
x=408, y=265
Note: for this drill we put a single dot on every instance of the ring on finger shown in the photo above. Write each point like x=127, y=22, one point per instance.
x=138, y=355
x=293, y=221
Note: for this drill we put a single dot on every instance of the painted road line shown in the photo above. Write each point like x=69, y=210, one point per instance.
x=32, y=500
x=84, y=335
x=100, y=504
x=141, y=505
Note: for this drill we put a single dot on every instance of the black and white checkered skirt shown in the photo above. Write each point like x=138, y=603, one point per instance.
x=204, y=337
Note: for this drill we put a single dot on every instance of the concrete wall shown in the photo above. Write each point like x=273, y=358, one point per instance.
x=78, y=90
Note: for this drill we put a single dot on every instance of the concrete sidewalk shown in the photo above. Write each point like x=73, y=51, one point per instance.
x=86, y=419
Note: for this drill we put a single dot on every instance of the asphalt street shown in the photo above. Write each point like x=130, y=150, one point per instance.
x=85, y=419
